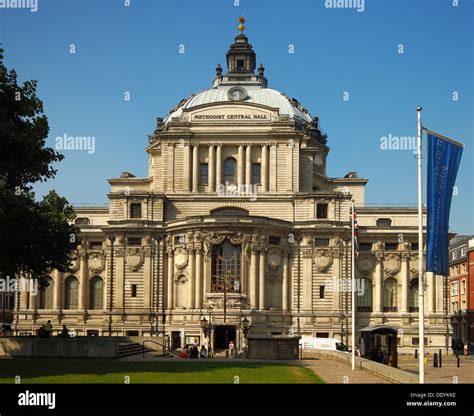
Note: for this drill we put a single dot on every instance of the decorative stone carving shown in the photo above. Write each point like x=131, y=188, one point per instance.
x=273, y=279
x=217, y=302
x=134, y=258
x=365, y=262
x=181, y=259
x=74, y=264
x=392, y=264
x=274, y=259
x=96, y=263
x=323, y=260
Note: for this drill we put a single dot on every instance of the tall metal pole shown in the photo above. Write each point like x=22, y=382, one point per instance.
x=353, y=305
x=421, y=291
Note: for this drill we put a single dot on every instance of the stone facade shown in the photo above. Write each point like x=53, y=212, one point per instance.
x=237, y=166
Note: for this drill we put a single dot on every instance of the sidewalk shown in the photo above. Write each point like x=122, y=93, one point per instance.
x=338, y=372
x=448, y=374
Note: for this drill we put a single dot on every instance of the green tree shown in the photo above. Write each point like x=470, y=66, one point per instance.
x=34, y=235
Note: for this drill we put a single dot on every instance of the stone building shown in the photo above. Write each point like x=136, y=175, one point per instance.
x=461, y=287
x=236, y=222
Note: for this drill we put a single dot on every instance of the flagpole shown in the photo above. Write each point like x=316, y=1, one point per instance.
x=353, y=289
x=421, y=280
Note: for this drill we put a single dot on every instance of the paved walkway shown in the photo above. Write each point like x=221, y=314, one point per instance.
x=448, y=374
x=339, y=372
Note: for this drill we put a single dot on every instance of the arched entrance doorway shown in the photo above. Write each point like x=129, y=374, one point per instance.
x=223, y=334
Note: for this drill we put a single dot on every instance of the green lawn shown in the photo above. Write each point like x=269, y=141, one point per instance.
x=109, y=371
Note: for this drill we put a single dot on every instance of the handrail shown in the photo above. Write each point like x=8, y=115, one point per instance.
x=165, y=348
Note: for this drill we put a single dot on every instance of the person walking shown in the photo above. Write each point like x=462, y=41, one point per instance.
x=231, y=349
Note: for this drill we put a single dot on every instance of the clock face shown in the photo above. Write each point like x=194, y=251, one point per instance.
x=237, y=94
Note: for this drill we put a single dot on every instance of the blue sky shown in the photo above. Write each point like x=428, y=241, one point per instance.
x=136, y=49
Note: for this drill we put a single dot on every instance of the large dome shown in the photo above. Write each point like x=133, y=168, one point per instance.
x=257, y=94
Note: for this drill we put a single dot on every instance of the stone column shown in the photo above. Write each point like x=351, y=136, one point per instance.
x=83, y=277
x=265, y=168
x=431, y=291
x=240, y=166
x=147, y=278
x=170, y=280
x=285, y=288
x=32, y=305
x=378, y=304
x=187, y=165
x=273, y=168
x=307, y=278
x=212, y=177
x=289, y=169
x=191, y=278
x=253, y=277
x=248, y=165
x=171, y=174
x=58, y=283
x=119, y=278
x=195, y=168
x=218, y=166
x=405, y=278
x=206, y=278
x=261, y=279
x=336, y=276
x=198, y=278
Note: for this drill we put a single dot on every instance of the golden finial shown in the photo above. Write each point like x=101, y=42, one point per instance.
x=241, y=26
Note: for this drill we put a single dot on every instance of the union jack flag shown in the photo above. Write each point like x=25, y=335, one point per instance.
x=356, y=235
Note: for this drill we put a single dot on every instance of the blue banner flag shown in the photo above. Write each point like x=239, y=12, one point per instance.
x=444, y=156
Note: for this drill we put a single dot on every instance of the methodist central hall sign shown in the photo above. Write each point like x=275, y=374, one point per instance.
x=205, y=117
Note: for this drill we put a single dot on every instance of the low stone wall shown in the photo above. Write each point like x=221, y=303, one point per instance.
x=154, y=343
x=278, y=347
x=80, y=347
x=391, y=373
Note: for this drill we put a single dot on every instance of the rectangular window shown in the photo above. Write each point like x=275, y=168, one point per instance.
x=321, y=292
x=416, y=341
x=134, y=291
x=256, y=173
x=95, y=245
x=204, y=168
x=132, y=334
x=134, y=241
x=135, y=210
x=391, y=246
x=321, y=242
x=365, y=246
x=322, y=334
x=275, y=241
x=414, y=246
x=321, y=211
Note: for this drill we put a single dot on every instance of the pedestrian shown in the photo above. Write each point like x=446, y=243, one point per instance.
x=46, y=330
x=231, y=349
x=64, y=333
x=203, y=351
x=466, y=348
x=357, y=351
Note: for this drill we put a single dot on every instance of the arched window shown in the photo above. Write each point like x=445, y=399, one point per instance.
x=71, y=292
x=96, y=293
x=390, y=295
x=229, y=171
x=384, y=222
x=229, y=211
x=413, y=295
x=82, y=221
x=46, y=292
x=364, y=298
x=225, y=268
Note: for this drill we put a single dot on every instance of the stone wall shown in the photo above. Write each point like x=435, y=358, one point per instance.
x=273, y=347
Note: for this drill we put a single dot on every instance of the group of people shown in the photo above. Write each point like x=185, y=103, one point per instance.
x=46, y=331
x=193, y=351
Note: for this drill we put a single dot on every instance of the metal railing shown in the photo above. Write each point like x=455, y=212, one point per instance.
x=166, y=348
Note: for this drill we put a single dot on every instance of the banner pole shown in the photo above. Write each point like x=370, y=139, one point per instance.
x=353, y=304
x=421, y=280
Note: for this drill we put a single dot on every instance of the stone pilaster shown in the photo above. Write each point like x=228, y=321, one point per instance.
x=248, y=165
x=261, y=279
x=212, y=177
x=264, y=168
x=405, y=279
x=378, y=295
